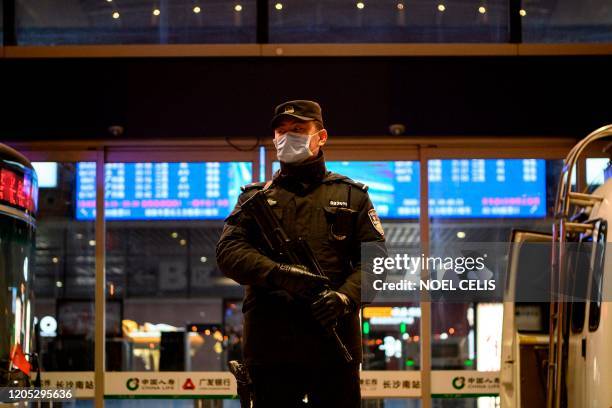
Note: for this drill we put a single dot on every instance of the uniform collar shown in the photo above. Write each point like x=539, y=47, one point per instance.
x=308, y=172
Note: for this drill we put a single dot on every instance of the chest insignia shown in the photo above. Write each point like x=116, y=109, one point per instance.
x=342, y=204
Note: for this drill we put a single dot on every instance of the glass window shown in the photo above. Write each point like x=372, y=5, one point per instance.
x=597, y=278
x=177, y=311
x=64, y=273
x=135, y=22
x=595, y=172
x=567, y=21
x=482, y=201
x=1, y=25
x=331, y=21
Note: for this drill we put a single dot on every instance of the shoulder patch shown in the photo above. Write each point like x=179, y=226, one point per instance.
x=335, y=177
x=376, y=222
x=251, y=186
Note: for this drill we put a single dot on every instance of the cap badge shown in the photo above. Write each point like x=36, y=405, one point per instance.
x=289, y=109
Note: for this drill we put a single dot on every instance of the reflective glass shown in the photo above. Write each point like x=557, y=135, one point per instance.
x=135, y=22
x=567, y=21
x=387, y=21
x=64, y=273
x=177, y=312
x=520, y=193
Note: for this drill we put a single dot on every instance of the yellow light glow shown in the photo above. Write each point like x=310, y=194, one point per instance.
x=278, y=6
x=174, y=235
x=197, y=9
x=376, y=311
x=156, y=12
x=460, y=234
x=360, y=5
x=441, y=7
x=238, y=7
x=183, y=242
x=523, y=12
x=482, y=10
x=116, y=15
x=400, y=6
x=92, y=242
x=55, y=259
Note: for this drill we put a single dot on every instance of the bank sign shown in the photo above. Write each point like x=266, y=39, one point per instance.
x=452, y=384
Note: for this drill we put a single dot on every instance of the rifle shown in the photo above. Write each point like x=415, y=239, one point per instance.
x=297, y=252
x=243, y=382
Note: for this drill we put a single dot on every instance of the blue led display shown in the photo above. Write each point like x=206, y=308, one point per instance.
x=155, y=191
x=476, y=188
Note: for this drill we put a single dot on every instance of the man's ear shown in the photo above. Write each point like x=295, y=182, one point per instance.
x=322, y=137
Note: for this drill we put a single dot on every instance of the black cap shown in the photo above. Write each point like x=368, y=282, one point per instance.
x=300, y=109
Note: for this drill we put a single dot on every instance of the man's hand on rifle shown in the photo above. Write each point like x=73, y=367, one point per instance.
x=329, y=306
x=296, y=279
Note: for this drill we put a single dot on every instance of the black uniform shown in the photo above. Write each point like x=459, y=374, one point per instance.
x=288, y=352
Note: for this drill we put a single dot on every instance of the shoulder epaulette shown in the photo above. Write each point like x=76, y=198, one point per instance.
x=335, y=177
x=251, y=186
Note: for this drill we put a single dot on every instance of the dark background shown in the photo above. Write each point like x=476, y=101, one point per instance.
x=49, y=99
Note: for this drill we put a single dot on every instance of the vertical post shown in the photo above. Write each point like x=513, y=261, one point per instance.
x=581, y=181
x=424, y=298
x=263, y=22
x=514, y=21
x=163, y=27
x=100, y=293
x=9, y=22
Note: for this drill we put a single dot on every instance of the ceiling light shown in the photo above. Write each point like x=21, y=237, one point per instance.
x=482, y=10
x=360, y=5
x=460, y=234
x=197, y=9
x=116, y=15
x=278, y=6
x=523, y=12
x=156, y=12
x=238, y=7
x=400, y=6
x=441, y=7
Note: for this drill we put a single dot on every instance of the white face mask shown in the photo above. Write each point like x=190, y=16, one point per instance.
x=293, y=147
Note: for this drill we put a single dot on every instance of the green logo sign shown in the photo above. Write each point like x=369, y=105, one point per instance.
x=458, y=383
x=132, y=384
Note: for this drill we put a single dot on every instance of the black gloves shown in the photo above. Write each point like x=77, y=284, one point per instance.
x=295, y=279
x=329, y=306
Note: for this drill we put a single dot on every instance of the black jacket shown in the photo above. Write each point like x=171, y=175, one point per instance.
x=335, y=215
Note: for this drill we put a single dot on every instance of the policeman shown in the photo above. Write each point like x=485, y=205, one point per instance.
x=290, y=357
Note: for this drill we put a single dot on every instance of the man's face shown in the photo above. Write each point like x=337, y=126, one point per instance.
x=304, y=128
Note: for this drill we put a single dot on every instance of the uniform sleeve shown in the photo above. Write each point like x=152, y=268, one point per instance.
x=369, y=242
x=237, y=257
